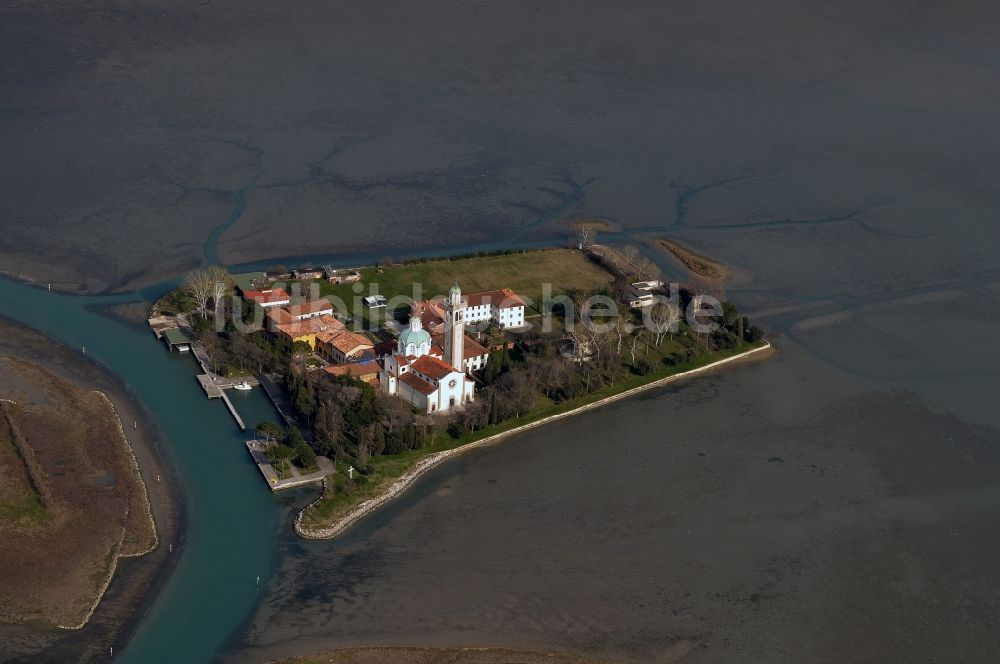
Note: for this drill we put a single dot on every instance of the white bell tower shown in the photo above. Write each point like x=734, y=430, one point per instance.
x=454, y=328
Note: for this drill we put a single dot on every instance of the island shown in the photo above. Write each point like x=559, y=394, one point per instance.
x=381, y=372
x=73, y=503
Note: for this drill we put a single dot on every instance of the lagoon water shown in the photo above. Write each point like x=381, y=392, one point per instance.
x=228, y=539
x=837, y=502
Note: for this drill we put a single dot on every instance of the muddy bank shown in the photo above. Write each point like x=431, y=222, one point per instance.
x=697, y=264
x=437, y=656
x=135, y=577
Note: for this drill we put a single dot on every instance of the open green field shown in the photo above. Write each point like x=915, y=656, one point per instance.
x=386, y=469
x=567, y=270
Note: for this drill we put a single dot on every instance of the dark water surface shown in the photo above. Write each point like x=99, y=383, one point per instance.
x=835, y=503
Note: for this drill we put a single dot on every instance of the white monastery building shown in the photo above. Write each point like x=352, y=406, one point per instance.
x=503, y=307
x=420, y=372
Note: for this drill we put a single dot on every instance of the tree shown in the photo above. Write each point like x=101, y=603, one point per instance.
x=269, y=431
x=648, y=268
x=580, y=338
x=586, y=232
x=385, y=262
x=293, y=438
x=305, y=457
x=664, y=317
x=199, y=285
x=222, y=284
x=327, y=428
x=636, y=338
x=622, y=328
x=279, y=452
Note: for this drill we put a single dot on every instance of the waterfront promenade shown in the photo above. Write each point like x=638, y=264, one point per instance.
x=271, y=476
x=404, y=481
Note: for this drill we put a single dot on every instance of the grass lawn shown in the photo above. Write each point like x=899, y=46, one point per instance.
x=565, y=269
x=24, y=508
x=386, y=469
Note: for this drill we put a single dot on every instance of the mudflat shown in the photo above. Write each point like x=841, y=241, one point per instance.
x=72, y=500
x=57, y=542
x=388, y=655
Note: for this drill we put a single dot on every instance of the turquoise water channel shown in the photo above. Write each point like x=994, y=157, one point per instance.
x=230, y=536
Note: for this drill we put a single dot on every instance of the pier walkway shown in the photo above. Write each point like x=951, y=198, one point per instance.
x=215, y=386
x=256, y=449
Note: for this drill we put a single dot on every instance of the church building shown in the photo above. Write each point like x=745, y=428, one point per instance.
x=422, y=373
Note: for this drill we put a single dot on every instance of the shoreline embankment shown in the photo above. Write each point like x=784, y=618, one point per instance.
x=405, y=481
x=129, y=588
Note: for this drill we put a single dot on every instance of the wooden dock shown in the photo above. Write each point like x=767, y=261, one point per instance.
x=232, y=410
x=215, y=386
x=212, y=390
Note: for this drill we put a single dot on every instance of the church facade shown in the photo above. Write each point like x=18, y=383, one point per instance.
x=423, y=374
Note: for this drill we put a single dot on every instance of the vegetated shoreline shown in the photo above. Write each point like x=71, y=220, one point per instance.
x=696, y=263
x=401, y=484
x=129, y=588
x=113, y=567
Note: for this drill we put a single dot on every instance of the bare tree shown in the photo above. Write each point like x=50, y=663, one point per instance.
x=585, y=234
x=578, y=337
x=621, y=329
x=199, y=285
x=631, y=252
x=664, y=317
x=636, y=338
x=647, y=267
x=598, y=337
x=222, y=284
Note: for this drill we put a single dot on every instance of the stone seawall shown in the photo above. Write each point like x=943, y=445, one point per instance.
x=409, y=477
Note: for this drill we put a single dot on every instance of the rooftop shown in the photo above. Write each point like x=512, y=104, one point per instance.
x=416, y=383
x=309, y=326
x=432, y=366
x=279, y=316
x=245, y=281
x=176, y=336
x=471, y=347
x=273, y=296
x=345, y=341
x=309, y=308
x=355, y=369
x=501, y=299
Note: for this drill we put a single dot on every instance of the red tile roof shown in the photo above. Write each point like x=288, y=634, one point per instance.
x=433, y=367
x=348, y=342
x=311, y=326
x=279, y=316
x=431, y=313
x=355, y=369
x=501, y=299
x=418, y=384
x=471, y=348
x=267, y=297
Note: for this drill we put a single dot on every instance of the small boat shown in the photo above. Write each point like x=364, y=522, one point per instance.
x=242, y=385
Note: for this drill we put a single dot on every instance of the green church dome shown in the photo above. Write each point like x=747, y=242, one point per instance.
x=414, y=340
x=415, y=337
